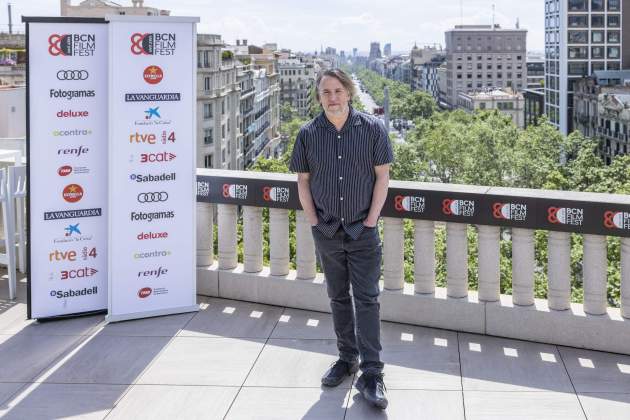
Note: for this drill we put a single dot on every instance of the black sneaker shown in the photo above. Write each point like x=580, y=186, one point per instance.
x=338, y=372
x=373, y=389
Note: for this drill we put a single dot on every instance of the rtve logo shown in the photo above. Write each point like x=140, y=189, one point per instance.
x=86, y=253
x=150, y=138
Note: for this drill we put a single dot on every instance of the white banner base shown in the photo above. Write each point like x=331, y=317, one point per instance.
x=149, y=314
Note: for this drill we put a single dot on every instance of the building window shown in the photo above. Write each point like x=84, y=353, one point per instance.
x=597, y=5
x=223, y=131
x=578, y=52
x=613, y=37
x=576, y=5
x=207, y=84
x=223, y=106
x=613, y=21
x=208, y=161
x=579, y=21
x=613, y=52
x=613, y=5
x=578, y=69
x=597, y=21
x=208, y=139
x=578, y=37
x=207, y=111
x=613, y=66
x=597, y=52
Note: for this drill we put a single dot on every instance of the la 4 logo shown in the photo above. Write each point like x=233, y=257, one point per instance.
x=71, y=255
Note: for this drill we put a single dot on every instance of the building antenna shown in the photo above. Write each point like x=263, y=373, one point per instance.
x=10, y=22
x=461, y=12
x=493, y=16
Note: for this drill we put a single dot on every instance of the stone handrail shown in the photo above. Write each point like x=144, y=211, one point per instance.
x=555, y=320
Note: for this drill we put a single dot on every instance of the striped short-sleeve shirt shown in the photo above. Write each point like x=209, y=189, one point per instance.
x=341, y=167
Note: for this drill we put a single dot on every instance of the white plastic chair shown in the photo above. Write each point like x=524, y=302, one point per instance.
x=17, y=195
x=8, y=218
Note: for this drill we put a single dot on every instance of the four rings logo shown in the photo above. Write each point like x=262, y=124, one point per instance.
x=237, y=191
x=464, y=208
x=152, y=197
x=409, y=203
x=72, y=75
x=565, y=216
x=278, y=194
x=509, y=211
x=153, y=44
x=153, y=75
x=72, y=44
x=617, y=220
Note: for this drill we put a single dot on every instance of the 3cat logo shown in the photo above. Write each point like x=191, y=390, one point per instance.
x=157, y=157
x=237, y=191
x=72, y=193
x=410, y=203
x=153, y=75
x=465, y=208
x=78, y=273
x=72, y=45
x=277, y=194
x=565, y=216
x=153, y=44
x=617, y=220
x=509, y=211
x=145, y=292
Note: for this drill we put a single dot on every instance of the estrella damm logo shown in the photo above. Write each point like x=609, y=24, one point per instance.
x=278, y=194
x=414, y=204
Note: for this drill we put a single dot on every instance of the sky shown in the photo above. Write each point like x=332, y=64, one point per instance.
x=341, y=24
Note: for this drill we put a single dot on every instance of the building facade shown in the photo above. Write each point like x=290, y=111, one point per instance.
x=218, y=106
x=481, y=57
x=507, y=102
x=12, y=59
x=100, y=8
x=297, y=79
x=534, y=106
x=535, y=73
x=375, y=51
x=581, y=37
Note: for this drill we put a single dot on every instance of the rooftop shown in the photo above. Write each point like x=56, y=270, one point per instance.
x=241, y=360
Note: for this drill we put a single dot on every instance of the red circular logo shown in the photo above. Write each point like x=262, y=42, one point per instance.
x=144, y=292
x=65, y=170
x=153, y=75
x=72, y=193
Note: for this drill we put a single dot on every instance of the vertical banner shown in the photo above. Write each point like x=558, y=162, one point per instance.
x=67, y=164
x=152, y=145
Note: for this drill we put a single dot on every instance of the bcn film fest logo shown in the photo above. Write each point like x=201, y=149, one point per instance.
x=153, y=44
x=410, y=203
x=82, y=45
x=617, y=220
x=456, y=207
x=276, y=194
x=237, y=191
x=509, y=211
x=565, y=216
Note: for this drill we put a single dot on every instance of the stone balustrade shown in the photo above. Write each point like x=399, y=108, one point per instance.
x=589, y=324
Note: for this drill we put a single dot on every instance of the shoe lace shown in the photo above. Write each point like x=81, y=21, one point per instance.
x=377, y=381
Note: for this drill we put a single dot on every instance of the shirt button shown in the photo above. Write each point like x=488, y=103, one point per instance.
x=339, y=157
x=340, y=178
x=341, y=198
x=342, y=219
x=338, y=137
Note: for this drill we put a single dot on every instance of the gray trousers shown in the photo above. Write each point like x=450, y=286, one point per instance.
x=358, y=263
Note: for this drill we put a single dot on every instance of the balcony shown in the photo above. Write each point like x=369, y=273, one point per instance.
x=263, y=335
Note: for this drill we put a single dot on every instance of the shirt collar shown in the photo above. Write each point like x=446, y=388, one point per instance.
x=354, y=118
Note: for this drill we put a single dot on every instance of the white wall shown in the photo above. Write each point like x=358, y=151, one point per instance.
x=13, y=112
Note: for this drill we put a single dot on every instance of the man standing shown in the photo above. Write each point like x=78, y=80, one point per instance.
x=342, y=159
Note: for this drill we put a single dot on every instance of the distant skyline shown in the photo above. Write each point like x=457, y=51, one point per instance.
x=341, y=24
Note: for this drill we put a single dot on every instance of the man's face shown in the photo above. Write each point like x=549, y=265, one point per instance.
x=333, y=96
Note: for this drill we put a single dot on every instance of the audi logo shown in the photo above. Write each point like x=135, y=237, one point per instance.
x=72, y=74
x=152, y=197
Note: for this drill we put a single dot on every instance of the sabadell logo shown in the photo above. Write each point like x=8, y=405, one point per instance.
x=414, y=204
